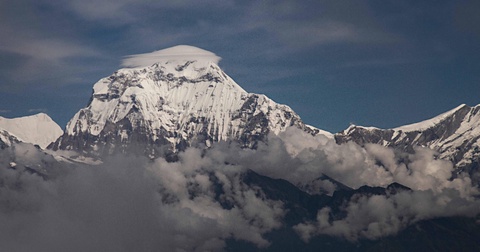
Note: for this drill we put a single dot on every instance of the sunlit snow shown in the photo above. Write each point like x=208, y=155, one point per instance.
x=423, y=125
x=36, y=129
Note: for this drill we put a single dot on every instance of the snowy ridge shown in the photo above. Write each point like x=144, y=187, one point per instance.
x=353, y=127
x=320, y=131
x=36, y=129
x=176, y=102
x=430, y=122
x=454, y=134
x=466, y=138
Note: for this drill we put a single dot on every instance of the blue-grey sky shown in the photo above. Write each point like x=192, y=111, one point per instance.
x=380, y=63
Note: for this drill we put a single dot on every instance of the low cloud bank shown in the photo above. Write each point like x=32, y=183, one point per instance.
x=376, y=216
x=199, y=202
x=302, y=159
x=128, y=204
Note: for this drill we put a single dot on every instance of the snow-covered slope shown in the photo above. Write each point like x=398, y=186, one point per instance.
x=181, y=100
x=36, y=129
x=424, y=125
x=454, y=134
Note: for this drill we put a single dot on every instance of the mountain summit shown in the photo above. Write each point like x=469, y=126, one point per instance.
x=183, y=99
x=37, y=129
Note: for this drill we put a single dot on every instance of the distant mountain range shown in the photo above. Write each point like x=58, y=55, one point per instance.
x=454, y=134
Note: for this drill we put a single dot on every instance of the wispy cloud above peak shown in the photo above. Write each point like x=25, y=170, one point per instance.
x=180, y=52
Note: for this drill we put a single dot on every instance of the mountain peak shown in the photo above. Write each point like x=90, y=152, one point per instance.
x=175, y=53
x=182, y=99
x=423, y=125
x=36, y=129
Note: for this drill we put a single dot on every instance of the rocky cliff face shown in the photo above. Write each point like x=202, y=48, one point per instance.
x=6, y=139
x=169, y=106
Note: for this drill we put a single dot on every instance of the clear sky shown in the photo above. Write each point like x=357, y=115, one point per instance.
x=375, y=63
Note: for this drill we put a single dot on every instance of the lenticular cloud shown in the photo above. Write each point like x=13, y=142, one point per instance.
x=180, y=52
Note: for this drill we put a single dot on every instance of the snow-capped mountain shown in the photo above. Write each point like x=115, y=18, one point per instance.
x=180, y=100
x=322, y=196
x=37, y=129
x=454, y=134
